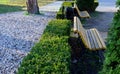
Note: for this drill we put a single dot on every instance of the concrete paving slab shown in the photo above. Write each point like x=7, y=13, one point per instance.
x=107, y=6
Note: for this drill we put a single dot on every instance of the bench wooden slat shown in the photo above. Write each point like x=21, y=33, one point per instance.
x=79, y=29
x=101, y=40
x=98, y=40
x=87, y=37
x=82, y=32
x=75, y=25
x=94, y=39
x=90, y=38
x=88, y=41
x=82, y=14
x=79, y=23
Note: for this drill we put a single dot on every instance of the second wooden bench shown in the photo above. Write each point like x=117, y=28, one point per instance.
x=81, y=14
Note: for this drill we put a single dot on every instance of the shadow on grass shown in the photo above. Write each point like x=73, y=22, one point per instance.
x=9, y=8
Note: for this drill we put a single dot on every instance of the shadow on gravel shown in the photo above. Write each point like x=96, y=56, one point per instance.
x=9, y=8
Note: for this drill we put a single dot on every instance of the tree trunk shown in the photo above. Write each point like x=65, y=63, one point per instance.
x=32, y=6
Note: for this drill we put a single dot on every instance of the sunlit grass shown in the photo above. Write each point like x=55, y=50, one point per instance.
x=8, y=8
x=23, y=2
x=18, y=5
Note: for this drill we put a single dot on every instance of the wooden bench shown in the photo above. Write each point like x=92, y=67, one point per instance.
x=81, y=14
x=90, y=37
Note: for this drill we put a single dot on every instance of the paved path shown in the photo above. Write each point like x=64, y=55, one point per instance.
x=52, y=7
x=103, y=17
x=105, y=4
x=108, y=3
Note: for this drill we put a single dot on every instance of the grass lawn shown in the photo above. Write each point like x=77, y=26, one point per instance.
x=9, y=8
x=18, y=5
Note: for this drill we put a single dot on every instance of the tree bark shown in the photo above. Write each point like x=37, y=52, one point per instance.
x=32, y=6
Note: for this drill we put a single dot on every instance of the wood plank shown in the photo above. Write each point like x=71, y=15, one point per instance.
x=98, y=40
x=82, y=14
x=82, y=32
x=75, y=29
x=90, y=40
x=78, y=25
x=94, y=39
x=79, y=22
x=75, y=6
x=101, y=40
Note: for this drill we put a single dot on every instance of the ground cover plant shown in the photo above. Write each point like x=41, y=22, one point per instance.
x=52, y=54
x=112, y=55
x=6, y=6
x=10, y=8
x=61, y=12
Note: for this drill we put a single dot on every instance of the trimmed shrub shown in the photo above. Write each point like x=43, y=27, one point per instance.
x=60, y=15
x=59, y=27
x=68, y=4
x=61, y=12
x=96, y=3
x=112, y=56
x=118, y=3
x=52, y=54
x=89, y=5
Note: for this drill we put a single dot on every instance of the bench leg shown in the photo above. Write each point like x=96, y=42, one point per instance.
x=101, y=55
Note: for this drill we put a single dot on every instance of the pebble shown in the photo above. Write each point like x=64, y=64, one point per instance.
x=18, y=34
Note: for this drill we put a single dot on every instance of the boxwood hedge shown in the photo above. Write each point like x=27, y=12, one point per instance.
x=52, y=54
x=112, y=56
x=61, y=12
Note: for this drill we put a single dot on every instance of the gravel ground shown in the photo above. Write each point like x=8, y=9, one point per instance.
x=18, y=33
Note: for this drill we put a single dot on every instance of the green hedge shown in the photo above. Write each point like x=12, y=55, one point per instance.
x=60, y=14
x=89, y=5
x=112, y=56
x=52, y=54
x=118, y=3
